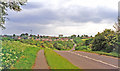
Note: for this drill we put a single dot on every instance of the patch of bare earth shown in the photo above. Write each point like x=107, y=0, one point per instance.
x=40, y=62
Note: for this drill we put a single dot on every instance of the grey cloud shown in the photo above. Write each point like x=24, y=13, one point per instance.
x=42, y=17
x=31, y=5
x=36, y=29
x=82, y=15
x=85, y=14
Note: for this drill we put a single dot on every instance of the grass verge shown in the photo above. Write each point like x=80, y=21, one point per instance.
x=55, y=61
x=27, y=59
x=113, y=54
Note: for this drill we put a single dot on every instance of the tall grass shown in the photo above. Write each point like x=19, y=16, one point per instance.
x=17, y=55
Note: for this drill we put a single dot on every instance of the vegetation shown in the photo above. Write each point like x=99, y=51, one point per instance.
x=27, y=60
x=7, y=38
x=59, y=45
x=63, y=45
x=56, y=61
x=105, y=43
x=17, y=55
x=113, y=54
x=13, y=5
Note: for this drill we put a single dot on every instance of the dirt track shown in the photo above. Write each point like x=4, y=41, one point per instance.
x=40, y=62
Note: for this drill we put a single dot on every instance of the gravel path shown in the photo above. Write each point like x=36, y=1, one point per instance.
x=40, y=62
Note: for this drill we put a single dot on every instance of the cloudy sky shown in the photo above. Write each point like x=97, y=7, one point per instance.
x=67, y=17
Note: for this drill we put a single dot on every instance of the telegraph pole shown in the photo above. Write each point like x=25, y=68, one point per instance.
x=31, y=32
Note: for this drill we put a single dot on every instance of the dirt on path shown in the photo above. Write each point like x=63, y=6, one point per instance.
x=40, y=62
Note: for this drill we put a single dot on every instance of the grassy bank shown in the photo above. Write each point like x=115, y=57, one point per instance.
x=16, y=55
x=113, y=54
x=27, y=60
x=55, y=61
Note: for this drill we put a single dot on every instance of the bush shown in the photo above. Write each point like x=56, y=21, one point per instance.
x=13, y=50
x=81, y=48
x=7, y=38
x=105, y=41
x=62, y=45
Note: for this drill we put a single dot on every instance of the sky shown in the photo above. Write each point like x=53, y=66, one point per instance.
x=67, y=17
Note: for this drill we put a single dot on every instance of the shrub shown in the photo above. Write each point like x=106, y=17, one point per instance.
x=105, y=41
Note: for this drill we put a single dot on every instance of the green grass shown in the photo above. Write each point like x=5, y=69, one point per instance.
x=17, y=55
x=113, y=54
x=27, y=60
x=55, y=61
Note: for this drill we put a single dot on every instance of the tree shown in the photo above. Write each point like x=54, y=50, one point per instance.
x=13, y=5
x=26, y=34
x=117, y=26
x=85, y=35
x=73, y=36
x=105, y=41
x=91, y=36
x=22, y=35
x=13, y=35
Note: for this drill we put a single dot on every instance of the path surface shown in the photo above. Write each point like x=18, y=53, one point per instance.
x=73, y=47
x=40, y=62
x=86, y=60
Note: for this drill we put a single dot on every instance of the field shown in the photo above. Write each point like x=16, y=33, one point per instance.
x=21, y=54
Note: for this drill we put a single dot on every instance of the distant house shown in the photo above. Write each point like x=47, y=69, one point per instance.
x=19, y=37
x=86, y=37
x=4, y=36
x=29, y=37
x=66, y=39
x=71, y=39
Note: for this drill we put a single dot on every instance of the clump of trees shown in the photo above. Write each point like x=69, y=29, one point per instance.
x=105, y=41
x=62, y=45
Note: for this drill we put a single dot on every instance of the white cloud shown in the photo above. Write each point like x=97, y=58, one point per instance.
x=56, y=28
x=89, y=28
x=87, y=3
x=71, y=13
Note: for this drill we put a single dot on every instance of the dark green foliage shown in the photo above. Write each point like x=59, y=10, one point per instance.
x=73, y=36
x=87, y=42
x=14, y=35
x=60, y=45
x=81, y=48
x=82, y=44
x=84, y=36
x=7, y=38
x=63, y=45
x=77, y=40
x=105, y=41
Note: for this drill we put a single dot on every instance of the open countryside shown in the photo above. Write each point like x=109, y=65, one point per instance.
x=59, y=35
x=46, y=52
